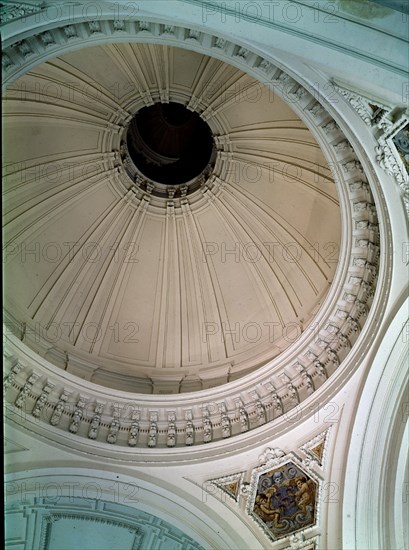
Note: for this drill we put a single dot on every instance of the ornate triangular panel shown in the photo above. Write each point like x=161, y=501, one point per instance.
x=372, y=111
x=316, y=448
x=230, y=484
x=390, y=127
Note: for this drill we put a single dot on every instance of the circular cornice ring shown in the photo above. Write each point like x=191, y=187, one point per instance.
x=350, y=314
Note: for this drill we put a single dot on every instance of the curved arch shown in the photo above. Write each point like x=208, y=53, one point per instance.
x=375, y=471
x=194, y=515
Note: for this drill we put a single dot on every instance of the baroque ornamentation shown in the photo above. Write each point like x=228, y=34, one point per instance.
x=114, y=429
x=25, y=390
x=18, y=10
x=207, y=427
x=316, y=449
x=345, y=319
x=270, y=454
x=78, y=415
x=134, y=430
x=70, y=31
x=283, y=498
x=59, y=408
x=94, y=26
x=225, y=422
x=42, y=400
x=11, y=377
x=119, y=25
x=153, y=430
x=390, y=121
x=95, y=422
x=372, y=112
x=316, y=110
x=171, y=435
x=299, y=541
x=231, y=485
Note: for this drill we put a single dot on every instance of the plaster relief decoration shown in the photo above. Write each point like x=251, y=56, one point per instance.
x=401, y=142
x=390, y=126
x=373, y=112
x=392, y=154
x=298, y=541
x=316, y=449
x=10, y=11
x=230, y=484
x=283, y=497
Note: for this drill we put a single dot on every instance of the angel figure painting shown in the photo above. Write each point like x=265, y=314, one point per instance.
x=285, y=500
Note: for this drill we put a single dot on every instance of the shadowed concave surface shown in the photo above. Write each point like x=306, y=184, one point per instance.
x=168, y=143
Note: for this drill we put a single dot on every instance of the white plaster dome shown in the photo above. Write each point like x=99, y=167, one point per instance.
x=150, y=287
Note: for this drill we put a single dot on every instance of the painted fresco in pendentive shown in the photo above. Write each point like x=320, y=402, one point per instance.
x=285, y=500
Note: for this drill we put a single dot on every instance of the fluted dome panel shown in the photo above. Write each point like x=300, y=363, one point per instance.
x=156, y=293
